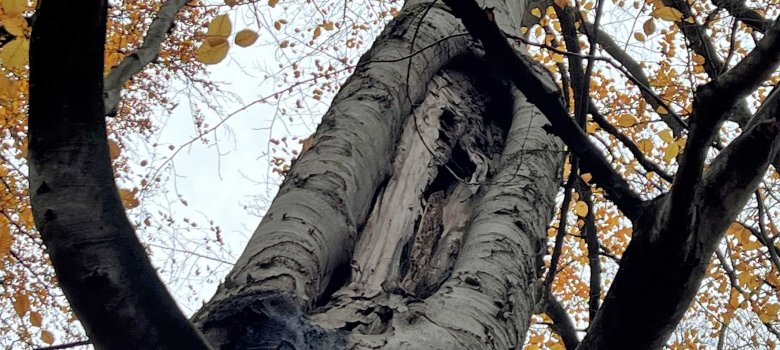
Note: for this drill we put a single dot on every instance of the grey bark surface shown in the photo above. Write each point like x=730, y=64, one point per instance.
x=378, y=233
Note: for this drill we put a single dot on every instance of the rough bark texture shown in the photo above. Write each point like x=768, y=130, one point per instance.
x=675, y=234
x=101, y=267
x=402, y=214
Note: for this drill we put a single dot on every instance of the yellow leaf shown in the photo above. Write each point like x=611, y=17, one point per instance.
x=536, y=12
x=671, y=151
x=246, y=38
x=21, y=304
x=231, y=3
x=591, y=128
x=306, y=145
x=47, y=337
x=744, y=278
x=36, y=319
x=627, y=120
x=666, y=136
x=698, y=59
x=639, y=36
x=645, y=145
x=15, y=54
x=215, y=40
x=667, y=13
x=113, y=149
x=743, y=236
x=328, y=25
x=734, y=298
x=220, y=27
x=14, y=24
x=128, y=198
x=8, y=87
x=562, y=3
x=581, y=208
x=317, y=32
x=6, y=239
x=273, y=3
x=649, y=26
x=586, y=177
x=14, y=7
x=769, y=313
x=209, y=53
x=278, y=25
x=661, y=110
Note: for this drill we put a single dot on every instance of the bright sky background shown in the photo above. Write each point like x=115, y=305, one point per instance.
x=229, y=180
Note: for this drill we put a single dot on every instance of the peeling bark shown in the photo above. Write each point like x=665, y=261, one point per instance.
x=413, y=188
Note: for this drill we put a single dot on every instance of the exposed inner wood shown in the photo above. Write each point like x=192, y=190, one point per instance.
x=412, y=238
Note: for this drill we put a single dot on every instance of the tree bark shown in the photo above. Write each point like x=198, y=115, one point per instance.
x=409, y=163
x=102, y=268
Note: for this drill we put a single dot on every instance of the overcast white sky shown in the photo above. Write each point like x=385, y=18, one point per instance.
x=221, y=178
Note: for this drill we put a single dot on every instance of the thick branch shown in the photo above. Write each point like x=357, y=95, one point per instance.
x=666, y=260
x=700, y=42
x=710, y=104
x=592, y=243
x=100, y=264
x=147, y=53
x=750, y=17
x=311, y=227
x=536, y=83
x=562, y=323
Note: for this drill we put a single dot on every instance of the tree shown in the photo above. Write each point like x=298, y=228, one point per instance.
x=418, y=217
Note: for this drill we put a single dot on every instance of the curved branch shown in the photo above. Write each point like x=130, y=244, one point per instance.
x=561, y=322
x=700, y=42
x=540, y=89
x=711, y=102
x=100, y=264
x=750, y=17
x=147, y=53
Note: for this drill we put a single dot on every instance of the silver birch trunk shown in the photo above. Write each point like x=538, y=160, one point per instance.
x=418, y=217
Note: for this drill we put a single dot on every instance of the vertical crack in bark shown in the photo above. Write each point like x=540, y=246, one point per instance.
x=311, y=226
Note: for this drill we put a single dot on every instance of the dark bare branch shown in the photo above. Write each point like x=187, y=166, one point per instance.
x=711, y=102
x=666, y=260
x=750, y=17
x=139, y=59
x=100, y=264
x=537, y=84
x=700, y=42
x=562, y=323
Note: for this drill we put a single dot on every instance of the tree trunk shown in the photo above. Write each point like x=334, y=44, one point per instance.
x=417, y=217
